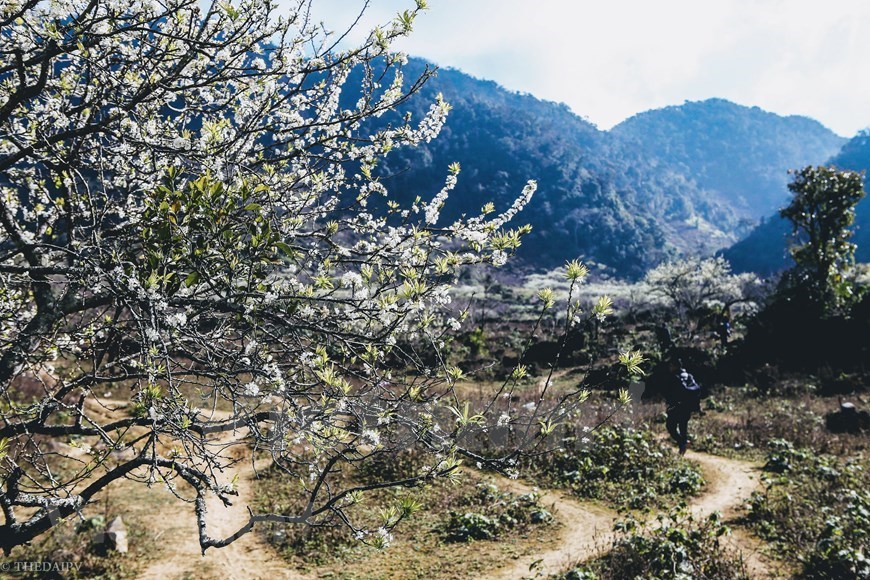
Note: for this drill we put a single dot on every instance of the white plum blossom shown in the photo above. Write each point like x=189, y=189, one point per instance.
x=351, y=280
x=499, y=258
x=176, y=319
x=371, y=437
x=518, y=204
x=690, y=284
x=433, y=208
x=385, y=537
x=192, y=197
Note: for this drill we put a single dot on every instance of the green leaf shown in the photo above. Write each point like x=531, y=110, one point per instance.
x=191, y=279
x=285, y=248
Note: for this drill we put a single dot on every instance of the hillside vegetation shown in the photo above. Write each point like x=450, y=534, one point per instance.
x=764, y=250
x=691, y=178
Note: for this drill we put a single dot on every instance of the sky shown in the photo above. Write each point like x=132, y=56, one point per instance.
x=610, y=59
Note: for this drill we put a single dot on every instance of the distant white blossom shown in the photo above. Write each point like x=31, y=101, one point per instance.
x=371, y=437
x=176, y=320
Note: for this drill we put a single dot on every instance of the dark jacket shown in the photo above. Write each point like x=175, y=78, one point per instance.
x=684, y=393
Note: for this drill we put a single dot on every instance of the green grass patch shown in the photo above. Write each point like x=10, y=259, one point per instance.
x=621, y=465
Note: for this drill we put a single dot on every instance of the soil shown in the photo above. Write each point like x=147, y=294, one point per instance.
x=588, y=526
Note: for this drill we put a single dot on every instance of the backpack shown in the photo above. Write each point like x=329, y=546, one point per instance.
x=691, y=391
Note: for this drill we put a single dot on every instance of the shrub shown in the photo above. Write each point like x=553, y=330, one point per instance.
x=783, y=456
x=621, y=464
x=471, y=526
x=685, y=478
x=674, y=546
x=495, y=511
x=76, y=543
x=818, y=507
x=841, y=550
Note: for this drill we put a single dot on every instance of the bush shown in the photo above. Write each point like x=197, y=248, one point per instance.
x=783, y=455
x=791, y=333
x=500, y=511
x=841, y=550
x=76, y=542
x=818, y=507
x=677, y=546
x=685, y=478
x=623, y=465
x=471, y=526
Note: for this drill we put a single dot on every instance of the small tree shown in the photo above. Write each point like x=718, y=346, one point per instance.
x=821, y=212
x=197, y=251
x=690, y=285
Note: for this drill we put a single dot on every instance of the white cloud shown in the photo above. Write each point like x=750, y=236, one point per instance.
x=609, y=60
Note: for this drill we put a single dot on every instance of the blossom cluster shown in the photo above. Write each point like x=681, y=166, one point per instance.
x=185, y=204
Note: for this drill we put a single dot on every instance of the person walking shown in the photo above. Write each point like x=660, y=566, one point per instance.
x=683, y=397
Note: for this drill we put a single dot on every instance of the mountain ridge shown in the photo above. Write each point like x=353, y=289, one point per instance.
x=765, y=249
x=609, y=197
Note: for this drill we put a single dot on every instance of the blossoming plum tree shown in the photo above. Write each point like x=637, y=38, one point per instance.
x=197, y=250
x=689, y=285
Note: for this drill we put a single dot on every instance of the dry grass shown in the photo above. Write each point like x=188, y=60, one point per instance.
x=421, y=548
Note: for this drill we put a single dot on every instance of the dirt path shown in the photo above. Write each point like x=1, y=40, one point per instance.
x=177, y=534
x=734, y=481
x=729, y=482
x=174, y=529
x=588, y=526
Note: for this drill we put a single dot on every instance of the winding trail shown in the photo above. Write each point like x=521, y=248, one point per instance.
x=730, y=482
x=588, y=526
x=249, y=557
x=175, y=532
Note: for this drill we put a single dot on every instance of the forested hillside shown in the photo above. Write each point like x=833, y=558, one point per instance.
x=501, y=140
x=689, y=178
x=765, y=249
x=735, y=153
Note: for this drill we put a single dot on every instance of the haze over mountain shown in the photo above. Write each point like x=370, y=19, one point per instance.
x=736, y=154
x=765, y=249
x=693, y=178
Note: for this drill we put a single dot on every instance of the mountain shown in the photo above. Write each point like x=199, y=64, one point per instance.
x=855, y=155
x=681, y=179
x=765, y=251
x=738, y=156
x=501, y=140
